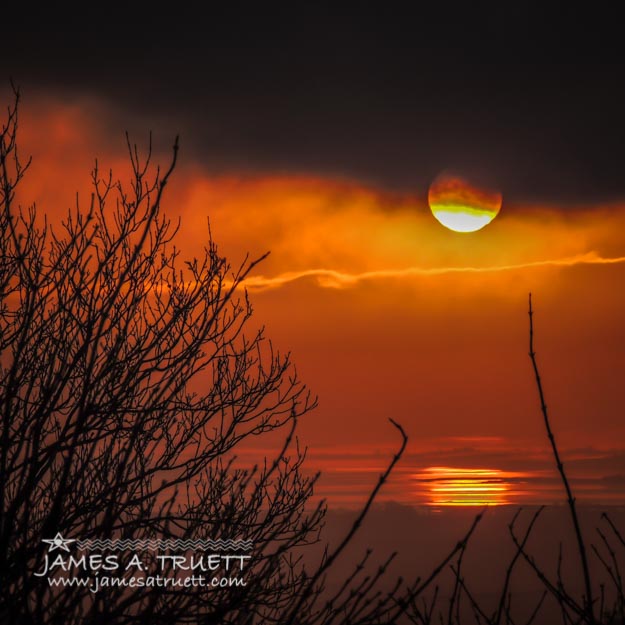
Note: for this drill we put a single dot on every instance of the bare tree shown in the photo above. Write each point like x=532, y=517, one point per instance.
x=128, y=381
x=126, y=384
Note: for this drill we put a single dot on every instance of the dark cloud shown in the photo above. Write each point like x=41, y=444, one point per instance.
x=533, y=101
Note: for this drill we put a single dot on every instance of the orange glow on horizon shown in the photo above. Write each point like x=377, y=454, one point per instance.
x=456, y=486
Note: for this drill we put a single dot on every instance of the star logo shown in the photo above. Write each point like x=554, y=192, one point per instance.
x=58, y=542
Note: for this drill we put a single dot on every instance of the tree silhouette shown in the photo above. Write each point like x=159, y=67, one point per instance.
x=126, y=383
x=128, y=380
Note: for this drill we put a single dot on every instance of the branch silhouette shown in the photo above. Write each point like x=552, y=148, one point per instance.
x=581, y=545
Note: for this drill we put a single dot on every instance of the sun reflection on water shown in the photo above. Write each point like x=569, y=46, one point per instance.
x=455, y=486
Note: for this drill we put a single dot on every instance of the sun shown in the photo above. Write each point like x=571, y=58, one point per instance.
x=455, y=486
x=461, y=206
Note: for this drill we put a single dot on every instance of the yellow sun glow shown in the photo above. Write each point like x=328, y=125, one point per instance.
x=452, y=486
x=460, y=206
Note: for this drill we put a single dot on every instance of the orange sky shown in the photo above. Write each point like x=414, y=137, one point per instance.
x=388, y=314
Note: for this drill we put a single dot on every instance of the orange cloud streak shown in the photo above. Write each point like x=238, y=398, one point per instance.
x=330, y=278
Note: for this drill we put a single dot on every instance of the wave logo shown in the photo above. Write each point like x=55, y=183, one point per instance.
x=98, y=564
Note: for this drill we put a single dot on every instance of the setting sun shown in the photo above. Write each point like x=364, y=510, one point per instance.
x=454, y=486
x=460, y=206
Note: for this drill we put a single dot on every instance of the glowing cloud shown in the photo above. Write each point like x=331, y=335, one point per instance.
x=329, y=278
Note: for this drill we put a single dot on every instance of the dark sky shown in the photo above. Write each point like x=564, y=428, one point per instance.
x=532, y=102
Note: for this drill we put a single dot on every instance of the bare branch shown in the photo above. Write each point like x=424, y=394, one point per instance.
x=581, y=546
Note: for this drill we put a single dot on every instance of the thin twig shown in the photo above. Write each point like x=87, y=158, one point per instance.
x=329, y=560
x=589, y=608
